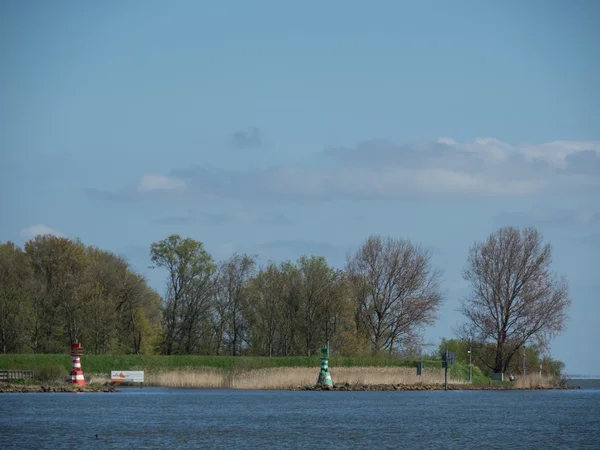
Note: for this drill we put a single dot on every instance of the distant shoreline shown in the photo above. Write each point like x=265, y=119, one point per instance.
x=69, y=388
x=432, y=387
x=344, y=387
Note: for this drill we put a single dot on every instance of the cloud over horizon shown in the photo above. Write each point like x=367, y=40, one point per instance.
x=381, y=169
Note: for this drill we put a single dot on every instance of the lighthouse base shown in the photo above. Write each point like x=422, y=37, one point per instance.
x=325, y=378
x=77, y=378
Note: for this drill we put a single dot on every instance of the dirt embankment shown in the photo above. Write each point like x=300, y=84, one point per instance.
x=55, y=388
x=421, y=387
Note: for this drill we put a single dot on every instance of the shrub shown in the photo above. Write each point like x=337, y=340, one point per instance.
x=51, y=373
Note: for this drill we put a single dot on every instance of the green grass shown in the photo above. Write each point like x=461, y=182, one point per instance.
x=103, y=364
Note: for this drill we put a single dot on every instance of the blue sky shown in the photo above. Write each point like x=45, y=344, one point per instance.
x=284, y=128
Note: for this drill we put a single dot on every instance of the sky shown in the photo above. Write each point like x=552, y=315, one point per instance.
x=290, y=128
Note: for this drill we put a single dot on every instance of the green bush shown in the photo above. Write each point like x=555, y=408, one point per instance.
x=51, y=373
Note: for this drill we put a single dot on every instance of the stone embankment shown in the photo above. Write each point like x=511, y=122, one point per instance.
x=54, y=388
x=422, y=387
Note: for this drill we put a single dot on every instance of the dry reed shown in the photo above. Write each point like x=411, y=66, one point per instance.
x=188, y=378
x=535, y=381
x=97, y=379
x=291, y=377
x=389, y=375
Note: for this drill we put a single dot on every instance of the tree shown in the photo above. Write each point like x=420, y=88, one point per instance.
x=15, y=293
x=515, y=297
x=321, y=301
x=58, y=265
x=394, y=288
x=190, y=287
x=58, y=290
x=459, y=347
x=336, y=310
x=290, y=338
x=99, y=293
x=230, y=307
x=265, y=291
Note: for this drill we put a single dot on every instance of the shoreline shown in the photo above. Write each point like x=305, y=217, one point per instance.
x=11, y=388
x=27, y=388
x=430, y=387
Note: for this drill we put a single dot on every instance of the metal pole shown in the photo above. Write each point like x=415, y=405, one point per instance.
x=446, y=372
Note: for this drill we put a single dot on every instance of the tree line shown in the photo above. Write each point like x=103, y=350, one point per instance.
x=530, y=359
x=55, y=290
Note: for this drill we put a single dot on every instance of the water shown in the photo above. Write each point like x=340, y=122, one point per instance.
x=196, y=418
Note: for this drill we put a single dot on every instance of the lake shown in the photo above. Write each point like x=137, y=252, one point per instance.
x=202, y=418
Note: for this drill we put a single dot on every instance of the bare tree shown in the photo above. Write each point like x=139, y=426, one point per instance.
x=394, y=288
x=515, y=297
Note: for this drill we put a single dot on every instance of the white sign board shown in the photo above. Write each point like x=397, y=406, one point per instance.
x=117, y=376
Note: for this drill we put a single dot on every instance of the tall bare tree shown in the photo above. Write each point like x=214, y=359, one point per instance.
x=515, y=297
x=395, y=290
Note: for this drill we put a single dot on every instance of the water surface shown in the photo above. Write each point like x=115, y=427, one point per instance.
x=197, y=418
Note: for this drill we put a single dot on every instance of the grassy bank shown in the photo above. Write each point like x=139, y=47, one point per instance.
x=58, y=365
x=249, y=372
x=235, y=372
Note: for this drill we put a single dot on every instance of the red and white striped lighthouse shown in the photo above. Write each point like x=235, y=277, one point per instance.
x=77, y=374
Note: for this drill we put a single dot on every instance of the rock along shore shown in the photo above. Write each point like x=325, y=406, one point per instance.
x=424, y=387
x=54, y=388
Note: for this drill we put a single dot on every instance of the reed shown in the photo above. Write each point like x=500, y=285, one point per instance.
x=291, y=377
x=205, y=377
x=536, y=381
x=390, y=375
x=97, y=379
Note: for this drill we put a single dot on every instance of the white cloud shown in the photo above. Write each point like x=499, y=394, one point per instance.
x=153, y=182
x=35, y=230
x=554, y=153
x=557, y=152
x=483, y=167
